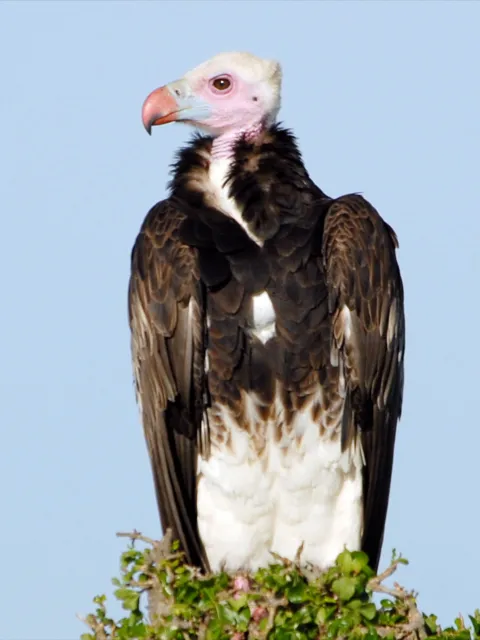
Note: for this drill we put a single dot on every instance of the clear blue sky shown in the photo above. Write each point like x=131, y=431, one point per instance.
x=384, y=98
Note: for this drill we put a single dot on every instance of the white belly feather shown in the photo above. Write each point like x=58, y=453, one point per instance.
x=307, y=493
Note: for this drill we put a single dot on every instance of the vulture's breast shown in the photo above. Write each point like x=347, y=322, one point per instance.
x=276, y=476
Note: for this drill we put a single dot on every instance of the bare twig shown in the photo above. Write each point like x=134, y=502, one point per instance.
x=415, y=628
x=274, y=604
x=96, y=626
x=136, y=535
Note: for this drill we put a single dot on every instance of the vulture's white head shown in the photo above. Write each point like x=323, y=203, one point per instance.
x=233, y=93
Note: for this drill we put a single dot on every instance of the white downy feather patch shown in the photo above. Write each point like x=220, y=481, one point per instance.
x=218, y=172
x=263, y=317
x=299, y=491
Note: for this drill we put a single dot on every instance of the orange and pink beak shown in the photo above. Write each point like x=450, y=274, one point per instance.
x=173, y=102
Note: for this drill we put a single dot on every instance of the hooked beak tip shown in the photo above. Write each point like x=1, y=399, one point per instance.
x=159, y=108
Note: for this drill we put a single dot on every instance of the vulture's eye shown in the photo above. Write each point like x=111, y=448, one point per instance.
x=222, y=83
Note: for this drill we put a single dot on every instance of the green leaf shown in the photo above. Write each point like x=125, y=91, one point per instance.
x=344, y=588
x=387, y=604
x=130, y=603
x=431, y=623
x=475, y=620
x=369, y=611
x=321, y=616
x=345, y=561
x=360, y=562
x=243, y=618
x=122, y=593
x=355, y=604
x=137, y=630
x=460, y=624
x=237, y=603
x=216, y=630
x=324, y=614
x=297, y=593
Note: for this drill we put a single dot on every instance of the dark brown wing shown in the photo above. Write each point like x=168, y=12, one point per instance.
x=167, y=327
x=368, y=342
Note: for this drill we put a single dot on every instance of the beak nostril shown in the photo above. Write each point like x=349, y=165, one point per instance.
x=177, y=92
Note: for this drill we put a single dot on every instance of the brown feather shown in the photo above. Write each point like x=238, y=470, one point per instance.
x=166, y=320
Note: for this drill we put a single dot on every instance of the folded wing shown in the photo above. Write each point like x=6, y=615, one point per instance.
x=166, y=314
x=367, y=344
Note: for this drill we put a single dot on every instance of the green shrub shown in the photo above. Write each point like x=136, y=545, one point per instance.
x=165, y=599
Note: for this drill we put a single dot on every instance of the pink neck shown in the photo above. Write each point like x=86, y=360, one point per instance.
x=224, y=144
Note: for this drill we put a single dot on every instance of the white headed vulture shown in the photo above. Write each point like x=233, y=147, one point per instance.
x=268, y=334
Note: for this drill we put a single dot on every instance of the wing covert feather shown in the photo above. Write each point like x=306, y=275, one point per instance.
x=165, y=302
x=368, y=343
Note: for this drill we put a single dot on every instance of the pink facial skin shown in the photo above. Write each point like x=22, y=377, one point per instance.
x=236, y=108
